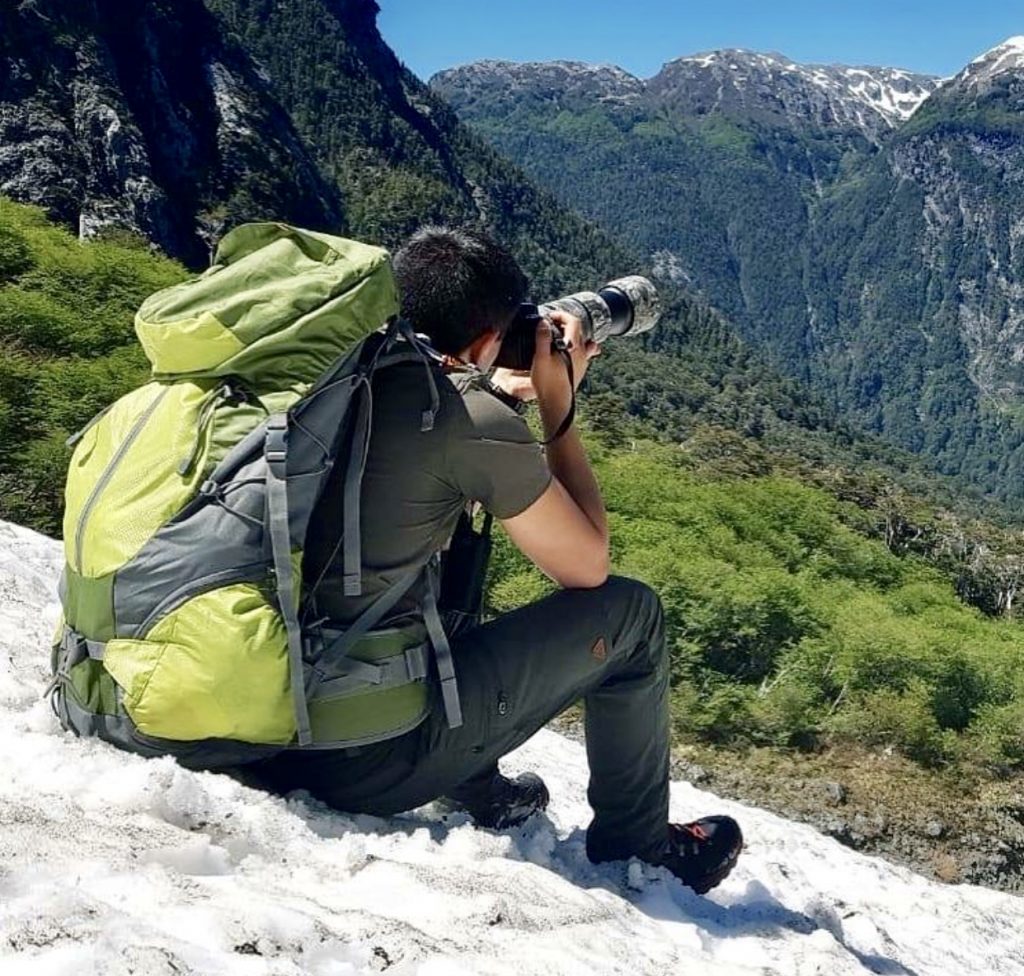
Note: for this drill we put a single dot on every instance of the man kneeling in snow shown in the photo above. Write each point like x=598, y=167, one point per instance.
x=599, y=638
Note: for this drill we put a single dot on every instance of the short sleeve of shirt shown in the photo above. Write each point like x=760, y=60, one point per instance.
x=494, y=459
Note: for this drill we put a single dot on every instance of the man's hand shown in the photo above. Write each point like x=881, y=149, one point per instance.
x=564, y=532
x=549, y=376
x=521, y=383
x=515, y=383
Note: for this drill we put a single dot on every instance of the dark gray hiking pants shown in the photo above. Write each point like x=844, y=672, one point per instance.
x=604, y=645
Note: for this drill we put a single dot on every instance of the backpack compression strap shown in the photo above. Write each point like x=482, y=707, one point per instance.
x=442, y=649
x=275, y=453
x=351, y=539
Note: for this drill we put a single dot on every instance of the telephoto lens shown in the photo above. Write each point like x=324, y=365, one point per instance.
x=624, y=307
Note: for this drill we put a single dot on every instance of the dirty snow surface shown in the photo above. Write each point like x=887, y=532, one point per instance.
x=110, y=864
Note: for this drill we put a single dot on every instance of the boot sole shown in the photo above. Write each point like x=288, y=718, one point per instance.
x=705, y=884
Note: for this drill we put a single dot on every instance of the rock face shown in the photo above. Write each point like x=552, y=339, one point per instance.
x=140, y=115
x=987, y=213
x=971, y=190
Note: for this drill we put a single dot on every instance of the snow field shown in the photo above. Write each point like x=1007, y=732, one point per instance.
x=111, y=864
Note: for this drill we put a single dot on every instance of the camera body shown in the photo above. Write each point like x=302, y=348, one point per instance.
x=624, y=307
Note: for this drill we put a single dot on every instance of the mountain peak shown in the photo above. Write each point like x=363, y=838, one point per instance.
x=1008, y=56
x=990, y=72
x=1012, y=46
x=564, y=82
x=871, y=99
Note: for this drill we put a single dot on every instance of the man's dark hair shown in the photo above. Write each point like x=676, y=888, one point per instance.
x=456, y=283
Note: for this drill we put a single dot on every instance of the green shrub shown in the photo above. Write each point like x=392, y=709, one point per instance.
x=37, y=322
x=67, y=348
x=960, y=689
x=789, y=712
x=901, y=719
x=724, y=715
x=15, y=253
x=996, y=735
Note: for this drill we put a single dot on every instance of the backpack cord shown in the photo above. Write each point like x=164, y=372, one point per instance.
x=409, y=334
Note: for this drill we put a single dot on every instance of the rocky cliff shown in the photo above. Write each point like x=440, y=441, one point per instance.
x=141, y=115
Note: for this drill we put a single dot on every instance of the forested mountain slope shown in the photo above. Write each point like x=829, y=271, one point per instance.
x=916, y=279
x=869, y=248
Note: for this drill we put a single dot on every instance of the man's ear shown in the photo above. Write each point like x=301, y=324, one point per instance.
x=485, y=348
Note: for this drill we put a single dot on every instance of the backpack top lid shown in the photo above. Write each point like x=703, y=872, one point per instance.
x=277, y=307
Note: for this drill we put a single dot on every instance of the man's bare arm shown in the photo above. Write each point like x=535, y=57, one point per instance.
x=565, y=532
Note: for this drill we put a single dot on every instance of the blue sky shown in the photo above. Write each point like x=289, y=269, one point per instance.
x=938, y=37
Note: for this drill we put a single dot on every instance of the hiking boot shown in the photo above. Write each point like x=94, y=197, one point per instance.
x=498, y=802
x=700, y=853
x=703, y=852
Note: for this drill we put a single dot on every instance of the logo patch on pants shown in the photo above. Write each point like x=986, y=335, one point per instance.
x=599, y=652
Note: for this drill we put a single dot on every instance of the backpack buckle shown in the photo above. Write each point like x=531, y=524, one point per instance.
x=275, y=447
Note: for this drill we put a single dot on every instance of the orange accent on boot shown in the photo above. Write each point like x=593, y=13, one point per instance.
x=695, y=830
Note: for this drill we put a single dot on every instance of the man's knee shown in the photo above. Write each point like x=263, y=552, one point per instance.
x=635, y=607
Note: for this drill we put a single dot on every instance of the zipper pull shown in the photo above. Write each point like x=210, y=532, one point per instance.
x=79, y=434
x=223, y=392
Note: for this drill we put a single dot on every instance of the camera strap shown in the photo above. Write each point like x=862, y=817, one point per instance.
x=571, y=415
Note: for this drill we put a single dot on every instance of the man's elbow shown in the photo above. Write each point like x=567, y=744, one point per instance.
x=593, y=572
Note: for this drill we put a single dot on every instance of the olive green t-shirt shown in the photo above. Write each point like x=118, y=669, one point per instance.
x=417, y=482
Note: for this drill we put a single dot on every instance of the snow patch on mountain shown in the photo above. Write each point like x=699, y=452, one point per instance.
x=1003, y=58
x=869, y=98
x=111, y=864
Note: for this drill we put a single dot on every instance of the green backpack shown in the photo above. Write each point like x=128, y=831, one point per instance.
x=187, y=507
